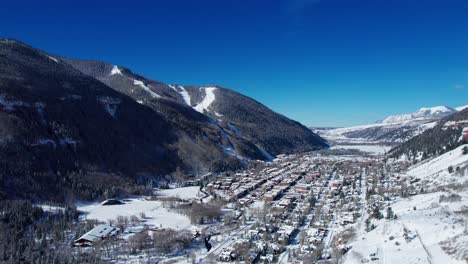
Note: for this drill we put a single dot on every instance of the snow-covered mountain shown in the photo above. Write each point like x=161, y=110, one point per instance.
x=460, y=108
x=391, y=130
x=425, y=113
x=445, y=136
x=246, y=126
x=69, y=122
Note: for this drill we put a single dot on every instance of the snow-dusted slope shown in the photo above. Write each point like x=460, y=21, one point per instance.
x=430, y=226
x=435, y=171
x=430, y=229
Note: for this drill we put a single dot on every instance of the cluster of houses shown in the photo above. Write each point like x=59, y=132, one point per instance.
x=290, y=194
x=269, y=185
x=304, y=200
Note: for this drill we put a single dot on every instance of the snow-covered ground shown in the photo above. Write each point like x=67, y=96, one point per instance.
x=430, y=226
x=186, y=193
x=373, y=149
x=50, y=208
x=437, y=228
x=155, y=214
x=435, y=170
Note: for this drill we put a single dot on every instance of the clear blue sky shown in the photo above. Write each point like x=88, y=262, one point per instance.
x=323, y=63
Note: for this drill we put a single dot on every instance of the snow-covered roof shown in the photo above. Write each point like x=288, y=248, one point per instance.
x=97, y=233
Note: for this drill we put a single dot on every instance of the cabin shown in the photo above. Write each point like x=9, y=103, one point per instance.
x=96, y=234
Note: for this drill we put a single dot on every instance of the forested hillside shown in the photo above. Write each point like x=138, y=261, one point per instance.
x=445, y=136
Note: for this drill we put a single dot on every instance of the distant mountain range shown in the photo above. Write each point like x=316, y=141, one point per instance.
x=391, y=130
x=423, y=114
x=69, y=125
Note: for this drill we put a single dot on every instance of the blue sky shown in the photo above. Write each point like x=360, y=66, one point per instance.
x=323, y=63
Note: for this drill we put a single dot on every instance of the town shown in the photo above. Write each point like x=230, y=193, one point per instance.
x=301, y=208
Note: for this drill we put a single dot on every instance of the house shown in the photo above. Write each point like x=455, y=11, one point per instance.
x=302, y=188
x=465, y=134
x=98, y=233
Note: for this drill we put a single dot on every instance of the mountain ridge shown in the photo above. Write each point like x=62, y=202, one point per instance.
x=65, y=133
x=228, y=108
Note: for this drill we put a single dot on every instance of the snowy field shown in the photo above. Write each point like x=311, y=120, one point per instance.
x=372, y=149
x=185, y=193
x=155, y=214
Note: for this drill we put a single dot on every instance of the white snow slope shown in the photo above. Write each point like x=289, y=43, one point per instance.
x=181, y=90
x=146, y=88
x=207, y=101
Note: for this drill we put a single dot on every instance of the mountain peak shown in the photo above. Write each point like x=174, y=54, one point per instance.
x=424, y=113
x=435, y=110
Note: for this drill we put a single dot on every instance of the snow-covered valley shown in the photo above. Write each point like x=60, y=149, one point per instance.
x=311, y=208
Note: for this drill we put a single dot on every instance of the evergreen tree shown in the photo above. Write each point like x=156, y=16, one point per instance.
x=376, y=213
x=389, y=213
x=450, y=169
x=368, y=225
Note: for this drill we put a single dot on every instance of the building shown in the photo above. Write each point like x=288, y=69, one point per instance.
x=465, y=135
x=98, y=233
